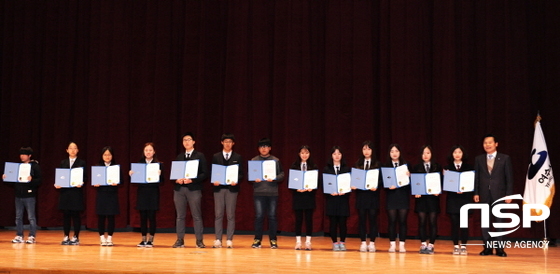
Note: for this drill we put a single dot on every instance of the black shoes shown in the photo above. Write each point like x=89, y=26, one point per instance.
x=486, y=252
x=500, y=252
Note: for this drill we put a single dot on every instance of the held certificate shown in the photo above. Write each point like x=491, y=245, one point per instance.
x=17, y=172
x=395, y=176
x=425, y=183
x=225, y=175
x=336, y=183
x=144, y=173
x=105, y=175
x=66, y=177
x=365, y=179
x=263, y=170
x=184, y=169
x=303, y=179
x=458, y=181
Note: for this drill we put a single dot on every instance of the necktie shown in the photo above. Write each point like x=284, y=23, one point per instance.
x=304, y=167
x=490, y=163
x=427, y=168
x=71, y=162
x=458, y=167
x=188, y=155
x=227, y=156
x=337, y=170
x=367, y=165
x=396, y=164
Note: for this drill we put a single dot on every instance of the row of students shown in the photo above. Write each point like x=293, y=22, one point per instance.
x=265, y=199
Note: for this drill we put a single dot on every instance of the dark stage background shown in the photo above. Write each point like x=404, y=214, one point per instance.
x=322, y=73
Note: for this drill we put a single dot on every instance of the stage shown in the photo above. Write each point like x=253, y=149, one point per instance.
x=48, y=256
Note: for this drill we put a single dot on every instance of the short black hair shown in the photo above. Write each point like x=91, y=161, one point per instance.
x=265, y=142
x=228, y=136
x=188, y=134
x=490, y=135
x=26, y=150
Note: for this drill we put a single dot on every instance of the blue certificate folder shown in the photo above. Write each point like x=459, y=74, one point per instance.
x=144, y=173
x=395, y=176
x=17, y=172
x=425, y=183
x=263, y=170
x=66, y=177
x=303, y=179
x=458, y=181
x=184, y=169
x=365, y=179
x=225, y=175
x=105, y=175
x=336, y=183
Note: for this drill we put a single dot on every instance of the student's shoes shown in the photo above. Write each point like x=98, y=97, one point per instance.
x=200, y=244
x=342, y=246
x=141, y=244
x=180, y=243
x=363, y=247
x=103, y=241
x=298, y=246
x=336, y=246
x=392, y=247
x=256, y=243
x=149, y=244
x=463, y=250
x=30, y=240
x=75, y=241
x=308, y=246
x=65, y=241
x=430, y=250
x=273, y=244
x=371, y=247
x=229, y=244
x=423, y=249
x=401, y=247
x=500, y=252
x=17, y=240
x=456, y=251
x=217, y=244
x=109, y=241
x=486, y=252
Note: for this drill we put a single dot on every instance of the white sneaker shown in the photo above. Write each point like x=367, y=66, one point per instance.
x=229, y=244
x=217, y=244
x=401, y=247
x=307, y=245
x=363, y=247
x=298, y=246
x=109, y=240
x=371, y=247
x=17, y=240
x=30, y=240
x=102, y=240
x=392, y=247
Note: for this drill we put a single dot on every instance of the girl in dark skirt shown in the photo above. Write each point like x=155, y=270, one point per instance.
x=106, y=201
x=427, y=206
x=147, y=201
x=367, y=201
x=455, y=200
x=337, y=204
x=71, y=200
x=303, y=200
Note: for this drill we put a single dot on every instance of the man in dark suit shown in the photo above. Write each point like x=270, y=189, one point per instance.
x=225, y=196
x=493, y=180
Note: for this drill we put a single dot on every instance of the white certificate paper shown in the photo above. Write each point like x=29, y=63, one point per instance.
x=402, y=177
x=24, y=173
x=269, y=170
x=433, y=183
x=152, y=173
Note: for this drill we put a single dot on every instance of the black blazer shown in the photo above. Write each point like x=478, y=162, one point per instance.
x=491, y=187
x=202, y=170
x=234, y=159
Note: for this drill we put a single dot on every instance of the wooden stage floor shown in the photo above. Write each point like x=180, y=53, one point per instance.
x=48, y=256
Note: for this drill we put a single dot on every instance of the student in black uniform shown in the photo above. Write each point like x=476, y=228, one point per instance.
x=398, y=202
x=303, y=200
x=147, y=198
x=106, y=201
x=455, y=200
x=337, y=204
x=367, y=201
x=71, y=200
x=225, y=196
x=427, y=206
